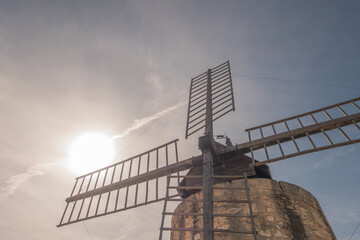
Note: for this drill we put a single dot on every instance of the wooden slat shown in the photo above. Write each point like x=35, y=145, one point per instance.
x=183, y=229
x=232, y=231
x=183, y=214
x=231, y=215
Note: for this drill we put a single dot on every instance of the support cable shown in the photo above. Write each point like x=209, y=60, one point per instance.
x=354, y=231
x=88, y=231
x=295, y=81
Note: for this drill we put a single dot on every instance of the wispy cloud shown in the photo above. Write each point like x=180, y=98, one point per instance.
x=138, y=123
x=341, y=152
x=153, y=77
x=15, y=181
x=321, y=164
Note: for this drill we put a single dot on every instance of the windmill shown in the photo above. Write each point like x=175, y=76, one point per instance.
x=147, y=177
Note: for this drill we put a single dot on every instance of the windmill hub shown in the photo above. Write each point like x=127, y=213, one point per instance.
x=228, y=165
x=207, y=142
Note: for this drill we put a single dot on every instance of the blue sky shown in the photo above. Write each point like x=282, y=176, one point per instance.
x=70, y=67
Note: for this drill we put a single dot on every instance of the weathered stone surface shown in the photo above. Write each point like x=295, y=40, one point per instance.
x=283, y=211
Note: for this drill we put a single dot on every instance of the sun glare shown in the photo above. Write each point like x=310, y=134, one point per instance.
x=90, y=152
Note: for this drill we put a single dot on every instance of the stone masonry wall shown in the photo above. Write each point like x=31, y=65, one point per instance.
x=283, y=212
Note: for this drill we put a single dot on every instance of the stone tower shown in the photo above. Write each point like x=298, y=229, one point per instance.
x=283, y=211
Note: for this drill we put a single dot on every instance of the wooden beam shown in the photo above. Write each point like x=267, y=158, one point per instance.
x=240, y=148
x=173, y=168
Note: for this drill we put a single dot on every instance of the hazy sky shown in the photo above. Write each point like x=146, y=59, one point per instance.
x=70, y=67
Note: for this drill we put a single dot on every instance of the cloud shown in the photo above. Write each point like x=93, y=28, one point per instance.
x=153, y=78
x=341, y=152
x=327, y=162
x=138, y=123
x=321, y=164
x=15, y=181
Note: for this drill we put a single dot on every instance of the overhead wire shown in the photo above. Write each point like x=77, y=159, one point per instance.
x=88, y=231
x=294, y=81
x=354, y=231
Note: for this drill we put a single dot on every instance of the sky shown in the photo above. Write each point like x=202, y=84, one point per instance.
x=71, y=67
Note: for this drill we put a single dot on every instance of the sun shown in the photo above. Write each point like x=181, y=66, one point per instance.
x=89, y=152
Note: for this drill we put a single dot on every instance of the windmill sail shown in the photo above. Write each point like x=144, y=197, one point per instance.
x=142, y=179
x=222, y=97
x=134, y=182
x=325, y=128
